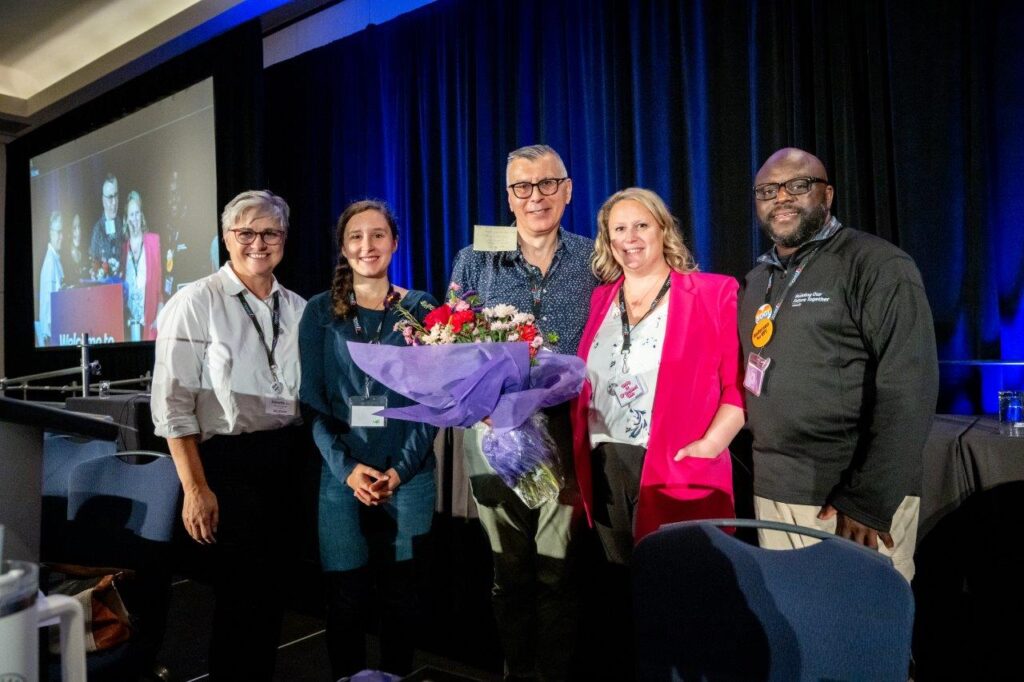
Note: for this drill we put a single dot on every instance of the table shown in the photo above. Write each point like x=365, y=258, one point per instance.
x=965, y=455
x=131, y=411
x=970, y=558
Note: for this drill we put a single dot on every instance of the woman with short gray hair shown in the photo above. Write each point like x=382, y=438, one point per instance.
x=225, y=392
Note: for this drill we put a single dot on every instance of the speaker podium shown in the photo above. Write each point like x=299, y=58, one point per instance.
x=22, y=424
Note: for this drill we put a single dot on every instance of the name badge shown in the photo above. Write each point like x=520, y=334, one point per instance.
x=753, y=380
x=629, y=389
x=362, y=411
x=279, y=407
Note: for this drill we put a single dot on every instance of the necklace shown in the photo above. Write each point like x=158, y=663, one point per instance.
x=377, y=302
x=640, y=307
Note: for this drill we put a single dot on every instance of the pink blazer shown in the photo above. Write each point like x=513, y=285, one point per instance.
x=700, y=370
x=154, y=280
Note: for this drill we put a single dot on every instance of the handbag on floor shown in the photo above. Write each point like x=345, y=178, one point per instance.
x=107, y=620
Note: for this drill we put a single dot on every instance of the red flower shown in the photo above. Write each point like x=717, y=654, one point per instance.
x=460, y=318
x=527, y=332
x=438, y=315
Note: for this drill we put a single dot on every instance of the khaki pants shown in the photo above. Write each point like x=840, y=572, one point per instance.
x=534, y=595
x=903, y=530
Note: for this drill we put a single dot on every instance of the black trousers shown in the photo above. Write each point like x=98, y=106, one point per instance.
x=616, y=472
x=616, y=484
x=253, y=476
x=354, y=598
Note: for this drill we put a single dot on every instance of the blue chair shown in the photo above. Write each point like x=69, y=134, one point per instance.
x=122, y=511
x=61, y=454
x=143, y=485
x=708, y=606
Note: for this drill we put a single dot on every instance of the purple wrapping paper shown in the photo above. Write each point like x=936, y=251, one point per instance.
x=460, y=384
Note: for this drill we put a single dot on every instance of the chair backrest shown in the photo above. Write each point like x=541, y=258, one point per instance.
x=62, y=453
x=710, y=606
x=145, y=494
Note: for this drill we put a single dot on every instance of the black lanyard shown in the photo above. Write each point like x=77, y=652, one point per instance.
x=789, y=285
x=626, y=327
x=388, y=298
x=275, y=324
x=357, y=323
x=536, y=288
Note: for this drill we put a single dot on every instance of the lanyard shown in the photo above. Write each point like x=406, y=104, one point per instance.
x=626, y=327
x=275, y=324
x=358, y=325
x=789, y=285
x=536, y=289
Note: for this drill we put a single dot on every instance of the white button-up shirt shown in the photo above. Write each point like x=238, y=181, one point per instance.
x=212, y=375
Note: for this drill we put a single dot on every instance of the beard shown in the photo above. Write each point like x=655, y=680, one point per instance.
x=811, y=221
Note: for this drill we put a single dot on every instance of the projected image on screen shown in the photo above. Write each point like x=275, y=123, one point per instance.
x=121, y=219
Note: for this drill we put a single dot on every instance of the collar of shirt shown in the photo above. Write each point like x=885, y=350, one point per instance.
x=233, y=285
x=770, y=257
x=559, y=250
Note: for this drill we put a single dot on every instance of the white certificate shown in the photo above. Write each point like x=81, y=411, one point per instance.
x=494, y=238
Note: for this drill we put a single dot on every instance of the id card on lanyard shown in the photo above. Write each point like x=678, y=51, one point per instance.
x=363, y=408
x=764, y=329
x=275, y=405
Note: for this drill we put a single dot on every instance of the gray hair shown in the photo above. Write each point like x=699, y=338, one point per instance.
x=56, y=221
x=535, y=152
x=261, y=200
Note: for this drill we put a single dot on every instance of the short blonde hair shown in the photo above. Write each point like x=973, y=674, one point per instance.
x=603, y=263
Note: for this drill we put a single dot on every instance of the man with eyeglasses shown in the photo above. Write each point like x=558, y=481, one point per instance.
x=841, y=376
x=106, y=244
x=549, y=275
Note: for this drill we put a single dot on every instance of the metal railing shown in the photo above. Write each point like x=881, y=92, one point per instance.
x=86, y=369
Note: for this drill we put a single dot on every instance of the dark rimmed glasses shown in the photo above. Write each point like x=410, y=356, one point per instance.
x=794, y=186
x=547, y=187
x=244, y=235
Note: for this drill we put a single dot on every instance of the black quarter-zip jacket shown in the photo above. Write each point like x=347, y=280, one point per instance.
x=848, y=398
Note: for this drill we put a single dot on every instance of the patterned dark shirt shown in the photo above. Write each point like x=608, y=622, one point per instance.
x=560, y=299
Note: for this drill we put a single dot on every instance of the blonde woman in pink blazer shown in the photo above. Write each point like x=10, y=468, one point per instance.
x=663, y=396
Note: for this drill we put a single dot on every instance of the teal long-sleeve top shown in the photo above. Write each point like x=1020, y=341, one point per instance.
x=330, y=377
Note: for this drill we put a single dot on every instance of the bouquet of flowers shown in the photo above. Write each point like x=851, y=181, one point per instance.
x=466, y=362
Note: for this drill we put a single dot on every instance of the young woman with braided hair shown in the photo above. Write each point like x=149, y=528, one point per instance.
x=377, y=480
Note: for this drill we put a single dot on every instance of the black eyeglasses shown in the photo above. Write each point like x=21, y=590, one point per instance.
x=547, y=187
x=770, y=190
x=246, y=236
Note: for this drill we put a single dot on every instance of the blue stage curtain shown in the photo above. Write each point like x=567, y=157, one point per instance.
x=915, y=108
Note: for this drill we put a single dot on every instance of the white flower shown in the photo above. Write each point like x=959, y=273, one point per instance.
x=514, y=336
x=503, y=310
x=522, y=318
x=537, y=342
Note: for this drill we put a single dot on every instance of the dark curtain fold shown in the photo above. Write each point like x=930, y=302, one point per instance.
x=915, y=107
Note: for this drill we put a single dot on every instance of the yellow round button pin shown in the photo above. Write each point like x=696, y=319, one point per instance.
x=764, y=312
x=762, y=333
